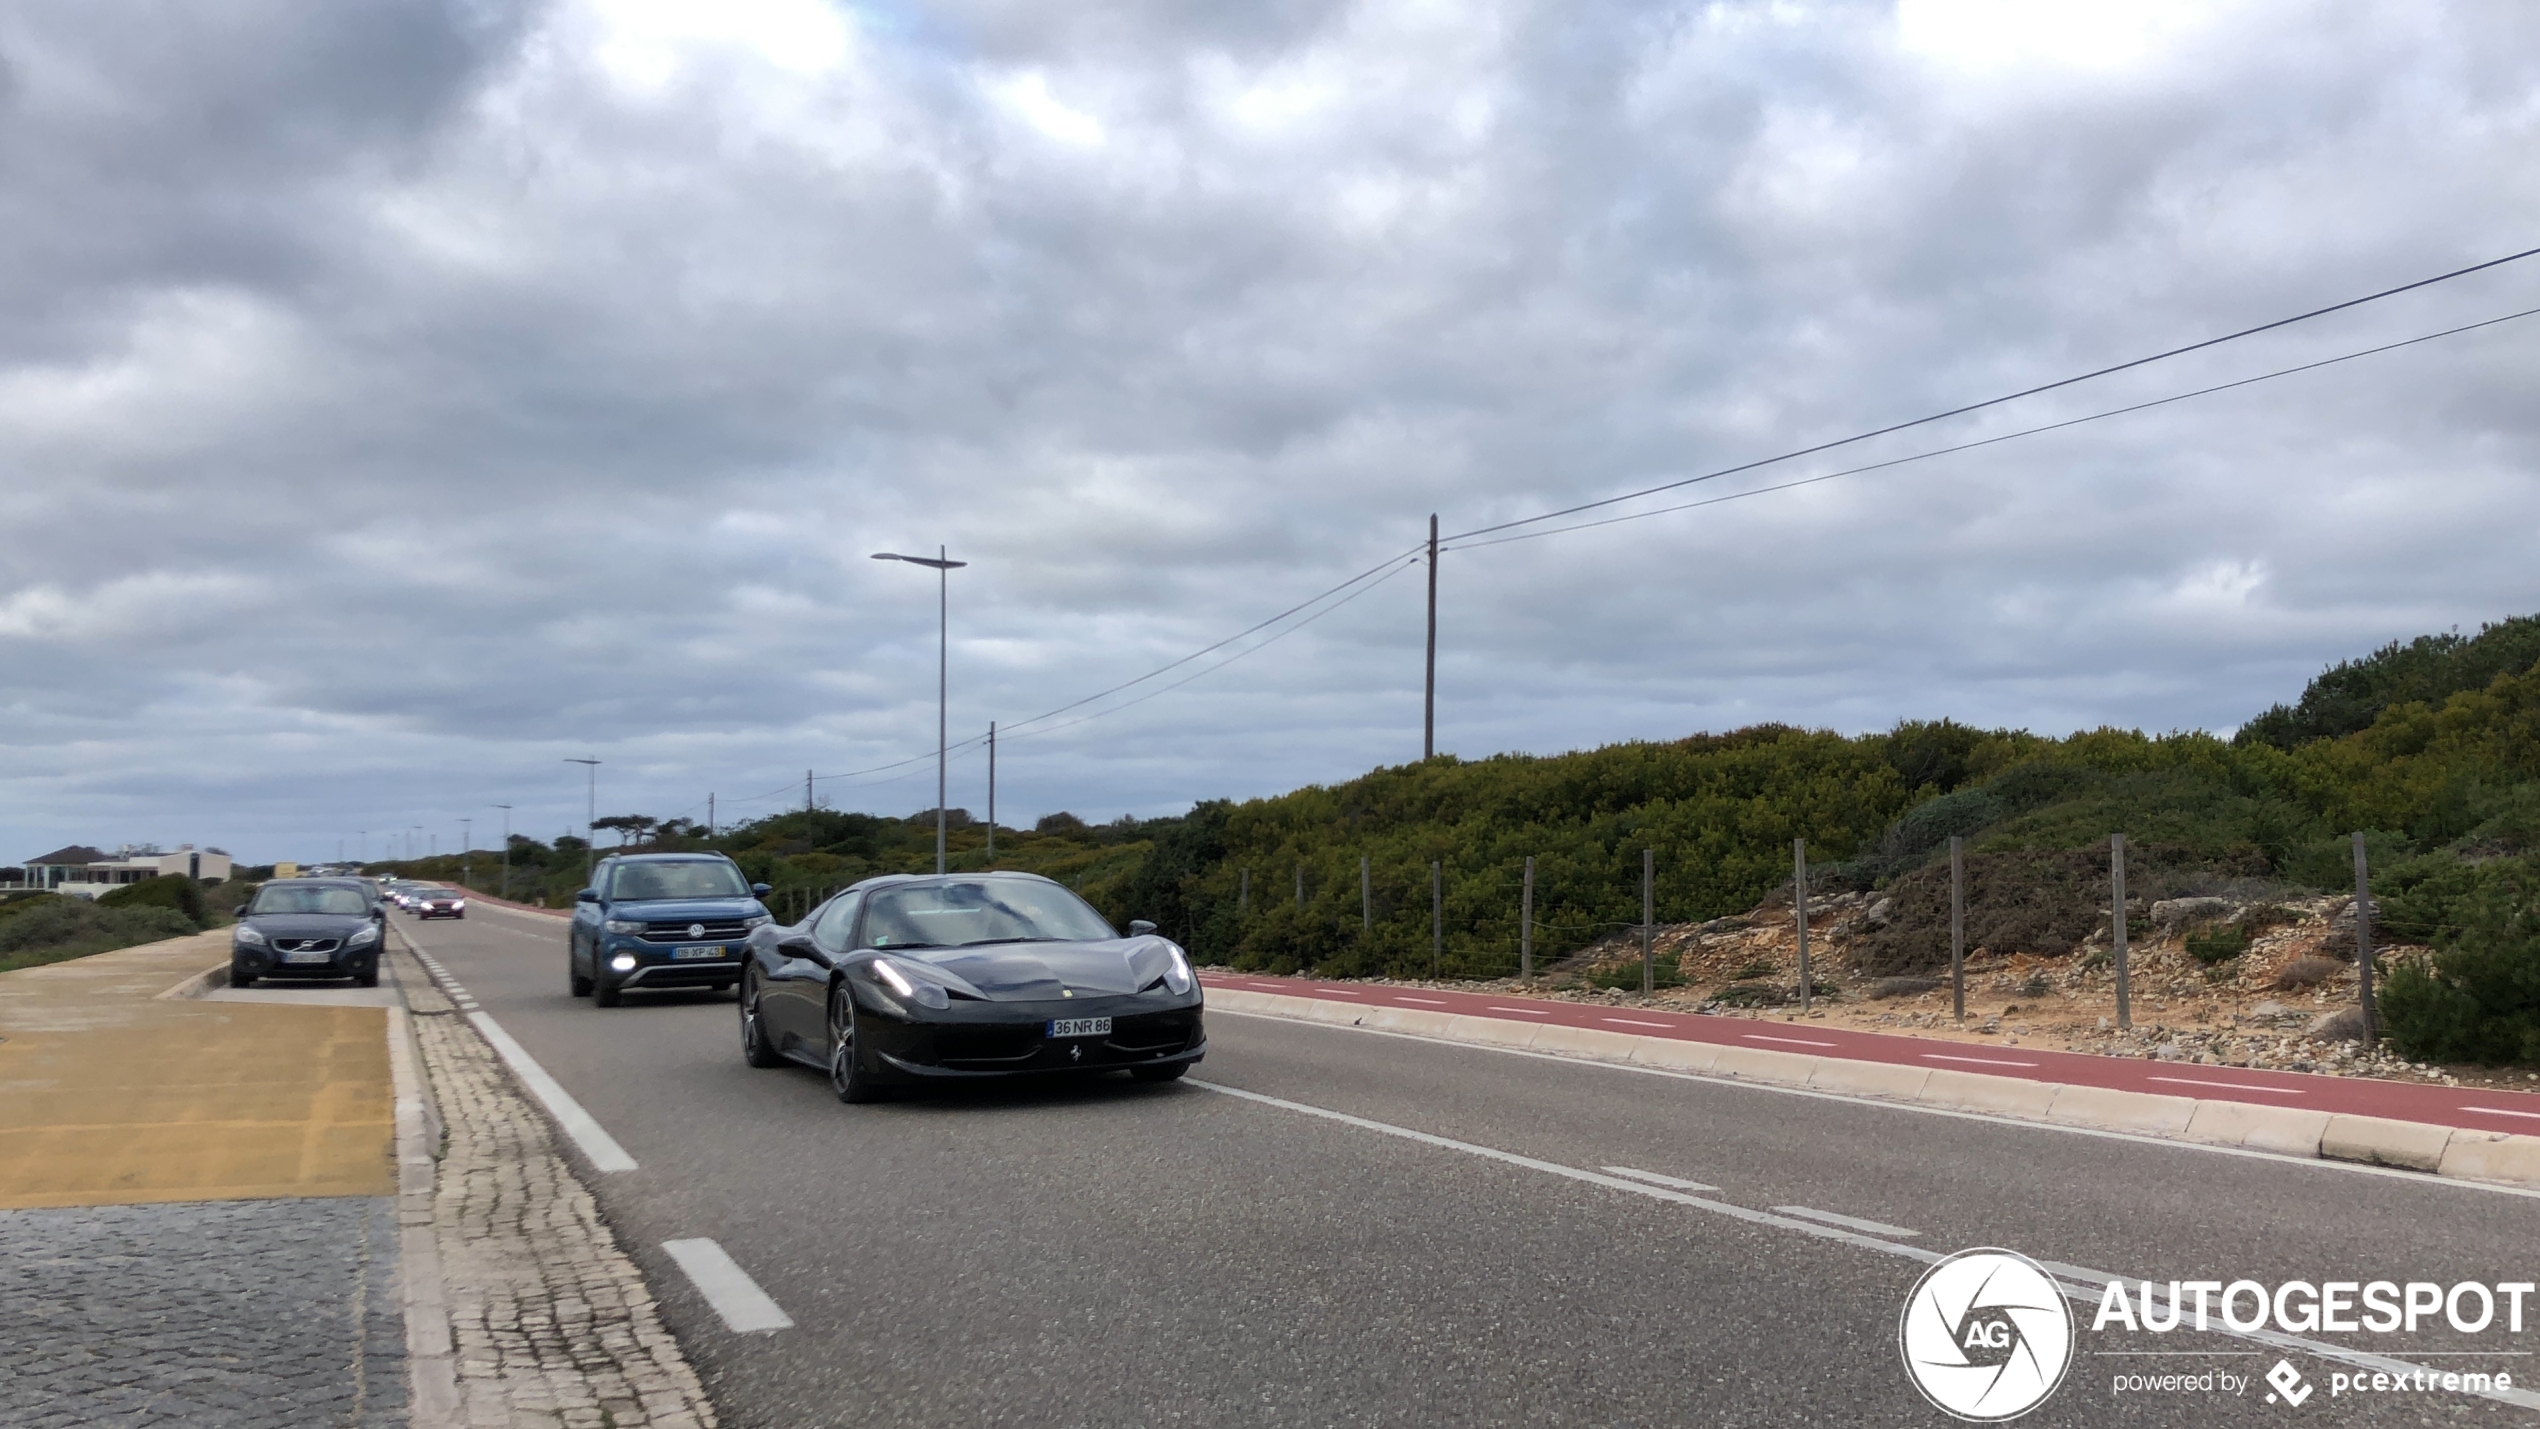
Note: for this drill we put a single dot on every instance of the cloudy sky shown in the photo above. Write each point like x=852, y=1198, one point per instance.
x=399, y=397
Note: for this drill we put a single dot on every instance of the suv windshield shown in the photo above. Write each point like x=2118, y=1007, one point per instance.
x=344, y=901
x=988, y=910
x=694, y=878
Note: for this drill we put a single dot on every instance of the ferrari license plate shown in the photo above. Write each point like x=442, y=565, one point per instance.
x=307, y=957
x=714, y=951
x=1080, y=1027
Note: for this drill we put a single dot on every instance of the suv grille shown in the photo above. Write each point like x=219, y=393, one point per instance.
x=717, y=930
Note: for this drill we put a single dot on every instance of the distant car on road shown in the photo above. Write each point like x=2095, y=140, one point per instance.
x=441, y=903
x=307, y=927
x=906, y=980
x=661, y=921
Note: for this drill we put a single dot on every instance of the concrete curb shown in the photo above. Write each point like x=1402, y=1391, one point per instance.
x=2458, y=1152
x=209, y=980
x=432, y=1372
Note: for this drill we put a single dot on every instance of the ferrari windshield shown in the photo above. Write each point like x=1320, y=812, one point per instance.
x=685, y=878
x=345, y=901
x=970, y=912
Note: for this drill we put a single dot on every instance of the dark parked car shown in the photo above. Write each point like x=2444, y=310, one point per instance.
x=661, y=921
x=905, y=980
x=307, y=927
x=441, y=903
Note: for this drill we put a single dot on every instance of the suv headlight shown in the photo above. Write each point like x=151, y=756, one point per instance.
x=623, y=925
x=363, y=939
x=757, y=920
x=246, y=933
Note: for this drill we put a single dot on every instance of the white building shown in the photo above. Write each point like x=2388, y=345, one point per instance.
x=84, y=872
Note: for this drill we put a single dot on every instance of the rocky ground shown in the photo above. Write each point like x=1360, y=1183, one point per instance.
x=2288, y=1000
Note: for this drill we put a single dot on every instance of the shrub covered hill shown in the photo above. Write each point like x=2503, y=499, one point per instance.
x=2431, y=748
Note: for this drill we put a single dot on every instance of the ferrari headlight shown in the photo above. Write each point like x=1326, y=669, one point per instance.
x=623, y=925
x=363, y=939
x=1177, y=970
x=246, y=933
x=924, y=994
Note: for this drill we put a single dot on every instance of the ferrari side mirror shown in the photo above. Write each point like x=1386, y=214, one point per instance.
x=1140, y=927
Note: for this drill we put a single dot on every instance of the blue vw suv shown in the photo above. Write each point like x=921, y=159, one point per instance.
x=661, y=921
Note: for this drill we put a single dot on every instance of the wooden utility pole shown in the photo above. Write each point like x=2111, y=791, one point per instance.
x=1526, y=926
x=2116, y=887
x=992, y=793
x=1648, y=917
x=1958, y=925
x=2363, y=944
x=1429, y=696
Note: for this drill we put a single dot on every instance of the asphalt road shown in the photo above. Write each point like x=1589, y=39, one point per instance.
x=1364, y=1229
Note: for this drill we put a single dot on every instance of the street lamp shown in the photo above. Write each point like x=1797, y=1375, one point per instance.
x=507, y=848
x=588, y=833
x=943, y=663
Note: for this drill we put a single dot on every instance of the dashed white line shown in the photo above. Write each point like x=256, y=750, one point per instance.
x=1976, y=1061
x=2500, y=1111
x=1655, y=1179
x=1425, y=1001
x=1636, y=1022
x=1794, y=1041
x=727, y=1287
x=1521, y=1011
x=2229, y=1086
x=1849, y=1222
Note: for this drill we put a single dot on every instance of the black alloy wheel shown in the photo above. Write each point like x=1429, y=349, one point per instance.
x=755, y=1048
x=847, y=1075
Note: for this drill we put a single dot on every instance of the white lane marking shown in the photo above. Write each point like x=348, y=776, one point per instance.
x=2415, y=1179
x=1334, y=992
x=2500, y=1111
x=1427, y=1001
x=1978, y=1061
x=1855, y=1222
x=1655, y=1179
x=1521, y=1011
x=2228, y=1086
x=2086, y=1292
x=601, y=1148
x=1636, y=1022
x=1593, y=1178
x=727, y=1287
x=1794, y=1041
x=596, y=1143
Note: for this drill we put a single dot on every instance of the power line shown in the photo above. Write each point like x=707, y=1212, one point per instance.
x=2007, y=397
x=2004, y=437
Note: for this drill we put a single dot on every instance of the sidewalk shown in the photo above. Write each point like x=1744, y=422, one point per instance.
x=196, y=1224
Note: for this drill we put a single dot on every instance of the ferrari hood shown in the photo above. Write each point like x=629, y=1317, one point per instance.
x=1026, y=972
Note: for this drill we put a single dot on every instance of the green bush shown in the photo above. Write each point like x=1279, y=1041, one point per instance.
x=172, y=890
x=2217, y=945
x=2480, y=999
x=1663, y=973
x=59, y=928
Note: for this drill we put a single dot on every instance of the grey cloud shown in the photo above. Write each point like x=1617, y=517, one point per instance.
x=401, y=397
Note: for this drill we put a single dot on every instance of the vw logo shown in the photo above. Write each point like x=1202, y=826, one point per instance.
x=696, y=930
x=1986, y=1335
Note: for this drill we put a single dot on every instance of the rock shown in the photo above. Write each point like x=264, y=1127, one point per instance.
x=2341, y=921
x=2167, y=1052
x=1880, y=914
x=2171, y=914
x=2271, y=1008
x=2343, y=1025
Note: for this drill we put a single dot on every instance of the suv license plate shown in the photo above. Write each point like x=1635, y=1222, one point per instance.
x=307, y=957
x=713, y=952
x=1080, y=1027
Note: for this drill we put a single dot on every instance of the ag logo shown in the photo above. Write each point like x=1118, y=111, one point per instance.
x=1986, y=1335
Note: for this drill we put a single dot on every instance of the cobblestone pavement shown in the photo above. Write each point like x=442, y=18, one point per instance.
x=215, y=1314
x=550, y=1320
